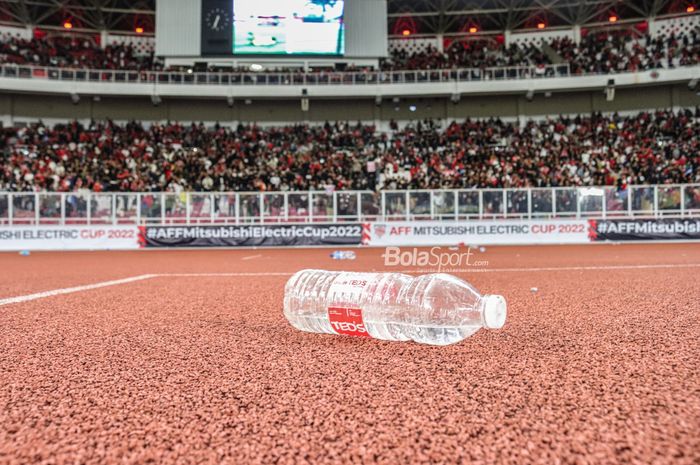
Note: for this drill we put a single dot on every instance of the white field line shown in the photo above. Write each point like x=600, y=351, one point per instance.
x=250, y=257
x=116, y=282
x=70, y=290
x=227, y=275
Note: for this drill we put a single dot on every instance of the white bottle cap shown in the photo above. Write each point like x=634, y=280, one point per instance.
x=494, y=311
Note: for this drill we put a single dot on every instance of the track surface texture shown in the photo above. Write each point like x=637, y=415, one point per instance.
x=599, y=366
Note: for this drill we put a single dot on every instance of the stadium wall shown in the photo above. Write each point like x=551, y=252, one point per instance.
x=19, y=108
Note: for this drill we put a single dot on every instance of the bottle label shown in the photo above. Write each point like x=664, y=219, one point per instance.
x=347, y=321
x=349, y=286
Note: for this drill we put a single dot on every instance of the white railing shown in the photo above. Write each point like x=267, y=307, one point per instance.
x=367, y=84
x=46, y=208
x=284, y=78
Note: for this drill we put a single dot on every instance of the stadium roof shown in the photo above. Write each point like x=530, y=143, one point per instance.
x=86, y=15
x=427, y=17
x=458, y=16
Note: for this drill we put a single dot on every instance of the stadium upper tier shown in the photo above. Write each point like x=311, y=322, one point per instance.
x=646, y=148
x=77, y=65
x=602, y=52
x=598, y=52
x=76, y=53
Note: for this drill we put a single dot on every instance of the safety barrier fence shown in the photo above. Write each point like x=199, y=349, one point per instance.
x=197, y=208
x=284, y=78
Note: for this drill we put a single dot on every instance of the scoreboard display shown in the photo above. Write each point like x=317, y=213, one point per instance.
x=273, y=27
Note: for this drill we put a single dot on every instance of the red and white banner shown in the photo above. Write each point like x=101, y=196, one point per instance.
x=484, y=232
x=392, y=233
x=69, y=238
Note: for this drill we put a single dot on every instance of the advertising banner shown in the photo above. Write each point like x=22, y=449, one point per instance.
x=69, y=238
x=394, y=233
x=432, y=233
x=651, y=229
x=252, y=235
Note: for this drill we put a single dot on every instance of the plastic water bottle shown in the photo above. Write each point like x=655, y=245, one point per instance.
x=436, y=309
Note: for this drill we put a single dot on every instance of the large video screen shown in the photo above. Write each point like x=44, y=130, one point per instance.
x=288, y=27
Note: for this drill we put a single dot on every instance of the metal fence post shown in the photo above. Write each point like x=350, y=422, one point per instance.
x=578, y=204
x=335, y=205
x=63, y=209
x=211, y=209
x=113, y=202
x=481, y=204
x=187, y=208
x=604, y=205
x=88, y=206
x=682, y=188
x=456, y=205
x=309, y=217
x=505, y=204
x=383, y=201
x=237, y=208
x=138, y=208
x=656, y=201
x=36, y=209
x=407, y=208
x=629, y=202
x=261, y=207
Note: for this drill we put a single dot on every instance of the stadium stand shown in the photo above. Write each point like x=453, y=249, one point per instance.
x=624, y=51
x=467, y=54
x=645, y=148
x=74, y=52
x=599, y=52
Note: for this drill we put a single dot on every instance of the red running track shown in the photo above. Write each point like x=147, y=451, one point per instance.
x=599, y=366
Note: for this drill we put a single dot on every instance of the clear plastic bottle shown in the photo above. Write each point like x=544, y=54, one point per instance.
x=436, y=309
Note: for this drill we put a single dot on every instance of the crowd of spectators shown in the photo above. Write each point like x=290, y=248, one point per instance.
x=598, y=52
x=75, y=52
x=467, y=54
x=646, y=148
x=624, y=51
